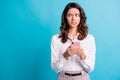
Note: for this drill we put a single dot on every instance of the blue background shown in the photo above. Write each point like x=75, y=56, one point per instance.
x=26, y=27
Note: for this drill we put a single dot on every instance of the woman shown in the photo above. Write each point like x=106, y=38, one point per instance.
x=73, y=50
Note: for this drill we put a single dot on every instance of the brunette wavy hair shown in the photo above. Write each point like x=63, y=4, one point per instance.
x=82, y=27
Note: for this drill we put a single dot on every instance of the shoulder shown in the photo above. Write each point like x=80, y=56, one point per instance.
x=55, y=37
x=90, y=37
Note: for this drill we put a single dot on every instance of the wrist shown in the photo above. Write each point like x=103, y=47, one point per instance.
x=82, y=56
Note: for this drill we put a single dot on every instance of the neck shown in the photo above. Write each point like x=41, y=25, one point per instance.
x=73, y=32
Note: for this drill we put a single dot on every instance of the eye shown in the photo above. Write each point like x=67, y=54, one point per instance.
x=77, y=15
x=69, y=15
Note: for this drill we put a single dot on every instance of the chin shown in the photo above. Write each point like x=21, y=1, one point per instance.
x=73, y=26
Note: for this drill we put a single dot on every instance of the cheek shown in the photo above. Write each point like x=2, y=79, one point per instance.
x=68, y=21
x=78, y=20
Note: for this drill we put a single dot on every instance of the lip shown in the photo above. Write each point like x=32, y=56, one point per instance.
x=73, y=23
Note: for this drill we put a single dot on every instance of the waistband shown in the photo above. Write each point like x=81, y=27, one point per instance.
x=72, y=73
x=76, y=74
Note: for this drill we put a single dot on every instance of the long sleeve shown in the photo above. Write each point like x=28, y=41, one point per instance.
x=57, y=59
x=89, y=63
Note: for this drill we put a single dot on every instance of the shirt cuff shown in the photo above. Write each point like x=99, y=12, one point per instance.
x=85, y=66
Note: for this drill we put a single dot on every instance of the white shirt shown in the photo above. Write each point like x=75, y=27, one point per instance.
x=59, y=63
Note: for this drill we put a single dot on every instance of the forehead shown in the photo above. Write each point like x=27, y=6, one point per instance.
x=73, y=10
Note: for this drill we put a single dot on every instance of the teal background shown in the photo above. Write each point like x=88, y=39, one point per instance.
x=26, y=27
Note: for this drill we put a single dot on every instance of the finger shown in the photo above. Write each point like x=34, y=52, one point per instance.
x=70, y=51
x=69, y=47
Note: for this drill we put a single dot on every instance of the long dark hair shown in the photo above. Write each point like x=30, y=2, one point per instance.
x=82, y=27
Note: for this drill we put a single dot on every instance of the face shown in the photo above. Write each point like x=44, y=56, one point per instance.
x=73, y=17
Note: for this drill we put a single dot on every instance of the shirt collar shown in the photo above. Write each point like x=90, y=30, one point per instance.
x=71, y=38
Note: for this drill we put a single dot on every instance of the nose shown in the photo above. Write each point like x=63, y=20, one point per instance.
x=73, y=17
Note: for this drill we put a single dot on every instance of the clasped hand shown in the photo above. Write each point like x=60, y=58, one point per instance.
x=74, y=50
x=78, y=50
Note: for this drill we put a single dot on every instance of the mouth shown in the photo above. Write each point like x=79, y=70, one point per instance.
x=73, y=23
